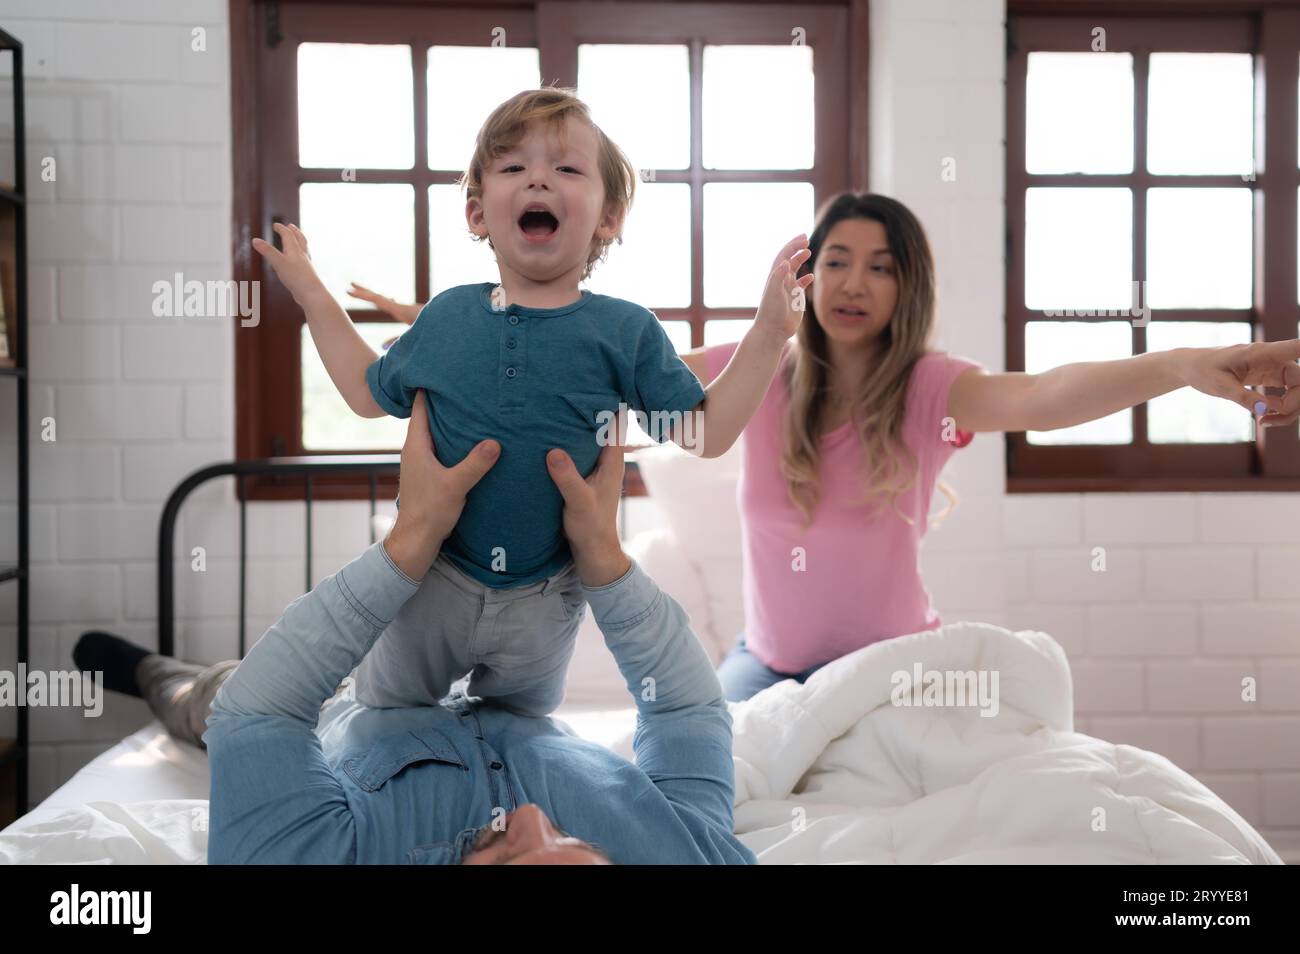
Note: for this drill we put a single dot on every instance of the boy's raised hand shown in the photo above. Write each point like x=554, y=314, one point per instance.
x=782, y=306
x=293, y=265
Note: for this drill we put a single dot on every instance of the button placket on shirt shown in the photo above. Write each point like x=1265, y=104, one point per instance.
x=497, y=780
x=513, y=339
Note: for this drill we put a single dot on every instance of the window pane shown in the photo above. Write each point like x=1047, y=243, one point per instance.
x=725, y=330
x=1050, y=344
x=354, y=106
x=1079, y=112
x=328, y=424
x=745, y=225
x=758, y=107
x=457, y=108
x=1187, y=415
x=653, y=265
x=360, y=232
x=1078, y=249
x=455, y=258
x=1201, y=113
x=1199, y=248
x=679, y=333
x=650, y=121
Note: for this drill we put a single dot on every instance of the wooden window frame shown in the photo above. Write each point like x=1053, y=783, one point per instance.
x=268, y=403
x=1270, y=32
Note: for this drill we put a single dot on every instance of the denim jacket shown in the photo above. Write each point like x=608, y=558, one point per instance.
x=291, y=784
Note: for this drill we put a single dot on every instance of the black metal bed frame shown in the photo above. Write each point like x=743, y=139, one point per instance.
x=370, y=466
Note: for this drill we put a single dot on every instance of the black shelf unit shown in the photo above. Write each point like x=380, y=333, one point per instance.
x=13, y=242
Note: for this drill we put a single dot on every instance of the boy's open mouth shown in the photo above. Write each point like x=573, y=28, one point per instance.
x=538, y=225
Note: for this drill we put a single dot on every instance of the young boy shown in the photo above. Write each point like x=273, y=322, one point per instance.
x=519, y=369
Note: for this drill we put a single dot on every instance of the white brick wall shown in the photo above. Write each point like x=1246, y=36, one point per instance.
x=138, y=125
x=1198, y=591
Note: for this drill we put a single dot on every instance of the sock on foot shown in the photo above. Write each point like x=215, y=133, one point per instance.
x=112, y=655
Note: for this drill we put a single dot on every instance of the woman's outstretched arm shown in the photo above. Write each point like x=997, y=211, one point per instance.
x=1086, y=391
x=402, y=311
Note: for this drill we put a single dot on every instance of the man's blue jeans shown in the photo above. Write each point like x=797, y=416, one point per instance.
x=742, y=675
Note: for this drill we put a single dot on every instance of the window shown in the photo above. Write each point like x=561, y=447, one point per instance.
x=1152, y=182
x=350, y=130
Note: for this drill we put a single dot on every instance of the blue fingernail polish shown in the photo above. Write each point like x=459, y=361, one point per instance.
x=1260, y=408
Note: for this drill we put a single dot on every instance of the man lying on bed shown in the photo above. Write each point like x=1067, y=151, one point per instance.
x=462, y=781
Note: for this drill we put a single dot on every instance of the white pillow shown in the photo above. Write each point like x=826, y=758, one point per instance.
x=593, y=675
x=698, y=497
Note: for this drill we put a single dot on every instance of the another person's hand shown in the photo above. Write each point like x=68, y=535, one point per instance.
x=433, y=496
x=402, y=312
x=1229, y=371
x=293, y=265
x=591, y=513
x=782, y=306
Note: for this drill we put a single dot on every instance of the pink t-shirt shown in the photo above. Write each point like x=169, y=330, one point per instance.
x=861, y=581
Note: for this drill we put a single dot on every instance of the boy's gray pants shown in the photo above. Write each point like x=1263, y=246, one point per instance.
x=515, y=644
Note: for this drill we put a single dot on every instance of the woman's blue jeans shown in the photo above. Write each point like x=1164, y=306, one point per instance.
x=742, y=675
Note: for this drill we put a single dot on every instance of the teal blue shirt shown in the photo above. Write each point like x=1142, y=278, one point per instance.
x=531, y=379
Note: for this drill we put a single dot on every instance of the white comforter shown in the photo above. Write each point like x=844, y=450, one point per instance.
x=832, y=771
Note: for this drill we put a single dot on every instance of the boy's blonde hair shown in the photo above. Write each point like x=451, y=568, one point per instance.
x=506, y=127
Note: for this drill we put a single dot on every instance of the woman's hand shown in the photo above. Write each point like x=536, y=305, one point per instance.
x=1229, y=373
x=782, y=306
x=404, y=313
x=433, y=496
x=293, y=265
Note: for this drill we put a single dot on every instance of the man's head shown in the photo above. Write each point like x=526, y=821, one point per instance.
x=540, y=149
x=529, y=838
